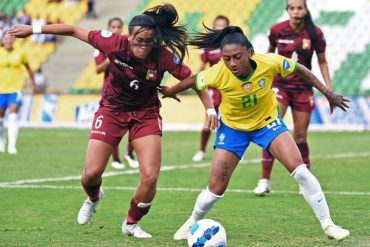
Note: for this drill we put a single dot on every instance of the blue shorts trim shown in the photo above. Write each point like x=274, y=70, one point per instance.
x=7, y=99
x=237, y=141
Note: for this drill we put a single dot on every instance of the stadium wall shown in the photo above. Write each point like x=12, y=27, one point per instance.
x=77, y=111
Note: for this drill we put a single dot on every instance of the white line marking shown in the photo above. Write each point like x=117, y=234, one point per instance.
x=177, y=167
x=15, y=186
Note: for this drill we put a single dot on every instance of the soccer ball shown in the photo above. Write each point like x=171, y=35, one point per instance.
x=207, y=233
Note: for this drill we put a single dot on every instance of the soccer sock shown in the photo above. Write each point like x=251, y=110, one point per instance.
x=267, y=163
x=137, y=211
x=305, y=152
x=130, y=149
x=12, y=129
x=115, y=154
x=204, y=137
x=313, y=194
x=204, y=203
x=2, y=133
x=91, y=190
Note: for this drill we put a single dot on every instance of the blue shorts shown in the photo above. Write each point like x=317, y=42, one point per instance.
x=237, y=141
x=7, y=99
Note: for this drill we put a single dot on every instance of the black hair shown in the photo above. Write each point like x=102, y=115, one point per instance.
x=162, y=19
x=213, y=39
x=222, y=17
x=115, y=19
x=311, y=27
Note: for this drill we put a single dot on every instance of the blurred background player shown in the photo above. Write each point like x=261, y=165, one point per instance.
x=11, y=84
x=297, y=38
x=115, y=25
x=210, y=57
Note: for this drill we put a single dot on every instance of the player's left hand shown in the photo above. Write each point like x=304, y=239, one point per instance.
x=167, y=93
x=337, y=100
x=212, y=122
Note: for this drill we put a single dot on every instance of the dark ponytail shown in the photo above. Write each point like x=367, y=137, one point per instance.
x=213, y=39
x=162, y=20
x=311, y=28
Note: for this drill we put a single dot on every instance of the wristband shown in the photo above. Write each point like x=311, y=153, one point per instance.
x=36, y=29
x=211, y=111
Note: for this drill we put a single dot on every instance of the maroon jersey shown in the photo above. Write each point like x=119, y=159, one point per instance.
x=210, y=56
x=100, y=57
x=297, y=46
x=132, y=83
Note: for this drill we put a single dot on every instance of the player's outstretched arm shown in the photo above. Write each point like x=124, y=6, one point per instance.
x=335, y=100
x=23, y=31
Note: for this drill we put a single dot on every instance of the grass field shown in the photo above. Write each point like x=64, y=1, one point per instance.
x=40, y=194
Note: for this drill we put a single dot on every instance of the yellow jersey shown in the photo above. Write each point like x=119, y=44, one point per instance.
x=11, y=71
x=248, y=103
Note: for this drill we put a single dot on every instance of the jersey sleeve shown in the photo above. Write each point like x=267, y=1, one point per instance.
x=99, y=57
x=272, y=36
x=321, y=42
x=209, y=77
x=172, y=65
x=106, y=41
x=284, y=66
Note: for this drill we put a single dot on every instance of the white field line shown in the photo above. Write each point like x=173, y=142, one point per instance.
x=171, y=168
x=56, y=187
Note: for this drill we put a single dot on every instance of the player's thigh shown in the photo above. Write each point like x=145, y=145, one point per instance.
x=301, y=120
x=223, y=166
x=149, y=154
x=97, y=156
x=284, y=148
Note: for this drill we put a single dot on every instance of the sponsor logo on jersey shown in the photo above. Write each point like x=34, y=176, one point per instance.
x=306, y=44
x=285, y=41
x=151, y=75
x=262, y=83
x=105, y=33
x=221, y=139
x=116, y=61
x=247, y=87
x=286, y=65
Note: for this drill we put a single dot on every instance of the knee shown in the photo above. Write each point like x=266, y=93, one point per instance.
x=91, y=175
x=300, y=137
x=149, y=180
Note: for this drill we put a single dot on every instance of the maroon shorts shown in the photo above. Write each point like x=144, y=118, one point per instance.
x=110, y=127
x=297, y=100
x=216, y=97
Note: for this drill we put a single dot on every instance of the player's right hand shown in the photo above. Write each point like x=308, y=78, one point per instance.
x=20, y=31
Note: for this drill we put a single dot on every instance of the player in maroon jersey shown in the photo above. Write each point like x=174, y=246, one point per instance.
x=210, y=57
x=129, y=101
x=297, y=38
x=115, y=25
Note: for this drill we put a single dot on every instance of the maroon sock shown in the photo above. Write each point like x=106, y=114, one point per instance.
x=115, y=154
x=92, y=190
x=135, y=213
x=267, y=162
x=204, y=139
x=130, y=149
x=305, y=152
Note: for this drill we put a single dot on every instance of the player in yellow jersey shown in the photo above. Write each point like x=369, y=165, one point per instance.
x=11, y=84
x=250, y=113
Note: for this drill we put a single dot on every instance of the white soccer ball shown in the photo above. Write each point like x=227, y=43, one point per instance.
x=207, y=233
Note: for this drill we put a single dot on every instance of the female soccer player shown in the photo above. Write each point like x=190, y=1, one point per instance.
x=297, y=38
x=130, y=101
x=212, y=57
x=11, y=85
x=250, y=113
x=115, y=25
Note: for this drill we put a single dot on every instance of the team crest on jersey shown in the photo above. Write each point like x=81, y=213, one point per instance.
x=221, y=139
x=262, y=83
x=247, y=87
x=286, y=64
x=306, y=44
x=105, y=33
x=151, y=75
x=201, y=82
